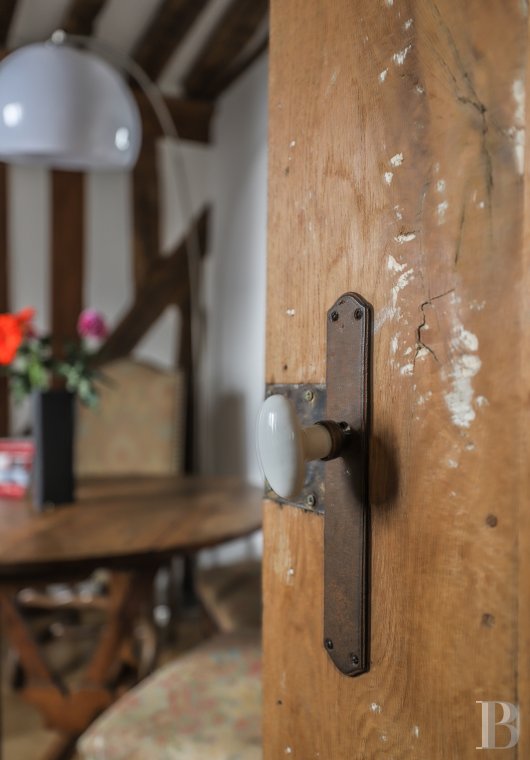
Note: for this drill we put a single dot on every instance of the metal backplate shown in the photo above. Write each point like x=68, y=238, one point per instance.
x=310, y=404
x=347, y=518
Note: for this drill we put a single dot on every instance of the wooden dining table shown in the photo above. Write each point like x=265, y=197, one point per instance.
x=132, y=527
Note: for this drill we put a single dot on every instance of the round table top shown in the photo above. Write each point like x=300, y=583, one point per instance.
x=124, y=522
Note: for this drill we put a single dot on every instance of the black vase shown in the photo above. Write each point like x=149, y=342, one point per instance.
x=53, y=431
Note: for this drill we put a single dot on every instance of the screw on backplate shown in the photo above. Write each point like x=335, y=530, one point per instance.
x=309, y=395
x=334, y=316
x=310, y=499
x=328, y=644
x=358, y=313
x=354, y=659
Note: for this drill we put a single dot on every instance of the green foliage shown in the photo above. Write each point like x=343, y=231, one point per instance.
x=34, y=368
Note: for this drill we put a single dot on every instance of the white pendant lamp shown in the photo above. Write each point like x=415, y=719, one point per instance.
x=66, y=108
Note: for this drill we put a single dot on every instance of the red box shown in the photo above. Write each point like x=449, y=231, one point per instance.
x=16, y=459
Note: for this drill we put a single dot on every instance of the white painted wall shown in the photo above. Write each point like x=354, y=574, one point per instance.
x=235, y=277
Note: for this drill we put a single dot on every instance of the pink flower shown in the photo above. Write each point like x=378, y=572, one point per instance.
x=91, y=324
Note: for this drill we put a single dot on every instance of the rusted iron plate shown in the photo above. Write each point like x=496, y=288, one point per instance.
x=347, y=516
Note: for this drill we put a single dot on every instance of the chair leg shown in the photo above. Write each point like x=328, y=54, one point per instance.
x=63, y=748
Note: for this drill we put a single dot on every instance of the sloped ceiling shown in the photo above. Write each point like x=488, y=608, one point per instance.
x=192, y=48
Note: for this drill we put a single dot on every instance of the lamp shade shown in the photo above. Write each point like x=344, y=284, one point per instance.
x=66, y=108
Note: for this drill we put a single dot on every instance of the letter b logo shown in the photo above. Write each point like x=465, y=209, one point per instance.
x=510, y=719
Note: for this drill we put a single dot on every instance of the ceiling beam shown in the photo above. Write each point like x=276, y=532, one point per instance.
x=233, y=32
x=191, y=118
x=80, y=16
x=7, y=9
x=167, y=29
x=225, y=78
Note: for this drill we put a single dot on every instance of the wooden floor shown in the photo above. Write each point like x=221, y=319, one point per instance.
x=23, y=736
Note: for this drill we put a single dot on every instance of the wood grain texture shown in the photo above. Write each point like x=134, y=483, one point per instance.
x=523, y=513
x=67, y=255
x=81, y=15
x=137, y=521
x=4, y=289
x=166, y=30
x=7, y=10
x=166, y=283
x=234, y=30
x=146, y=214
x=396, y=171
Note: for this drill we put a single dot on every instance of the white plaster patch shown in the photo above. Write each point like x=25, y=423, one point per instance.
x=440, y=185
x=399, y=215
x=389, y=3
x=394, y=344
x=420, y=89
x=382, y=75
x=422, y=400
x=407, y=369
x=393, y=311
x=375, y=708
x=470, y=446
x=292, y=143
x=408, y=23
x=399, y=57
x=407, y=351
x=518, y=92
x=416, y=731
x=397, y=160
x=388, y=177
x=290, y=312
x=465, y=364
x=405, y=237
x=436, y=167
x=481, y=401
x=288, y=750
x=441, y=210
x=477, y=305
x=384, y=738
x=452, y=463
x=394, y=266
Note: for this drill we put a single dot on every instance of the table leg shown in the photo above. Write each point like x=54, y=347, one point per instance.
x=72, y=711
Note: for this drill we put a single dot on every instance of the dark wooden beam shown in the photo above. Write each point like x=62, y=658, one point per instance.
x=191, y=118
x=67, y=255
x=233, y=32
x=166, y=283
x=166, y=30
x=4, y=291
x=81, y=15
x=225, y=78
x=7, y=9
x=146, y=215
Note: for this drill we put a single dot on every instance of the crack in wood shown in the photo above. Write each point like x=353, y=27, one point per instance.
x=420, y=344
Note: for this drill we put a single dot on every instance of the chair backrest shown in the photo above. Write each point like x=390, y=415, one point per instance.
x=137, y=427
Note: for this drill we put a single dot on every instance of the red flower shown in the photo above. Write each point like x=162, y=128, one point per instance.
x=13, y=328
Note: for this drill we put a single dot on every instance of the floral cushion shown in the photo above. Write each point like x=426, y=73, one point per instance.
x=206, y=705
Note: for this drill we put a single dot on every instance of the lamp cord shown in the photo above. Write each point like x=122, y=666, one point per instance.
x=169, y=130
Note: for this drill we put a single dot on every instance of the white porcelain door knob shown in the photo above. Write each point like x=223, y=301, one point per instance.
x=284, y=446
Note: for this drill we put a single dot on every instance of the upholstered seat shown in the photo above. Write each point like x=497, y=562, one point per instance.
x=206, y=705
x=137, y=427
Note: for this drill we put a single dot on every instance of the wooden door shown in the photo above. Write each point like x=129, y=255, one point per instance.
x=397, y=170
